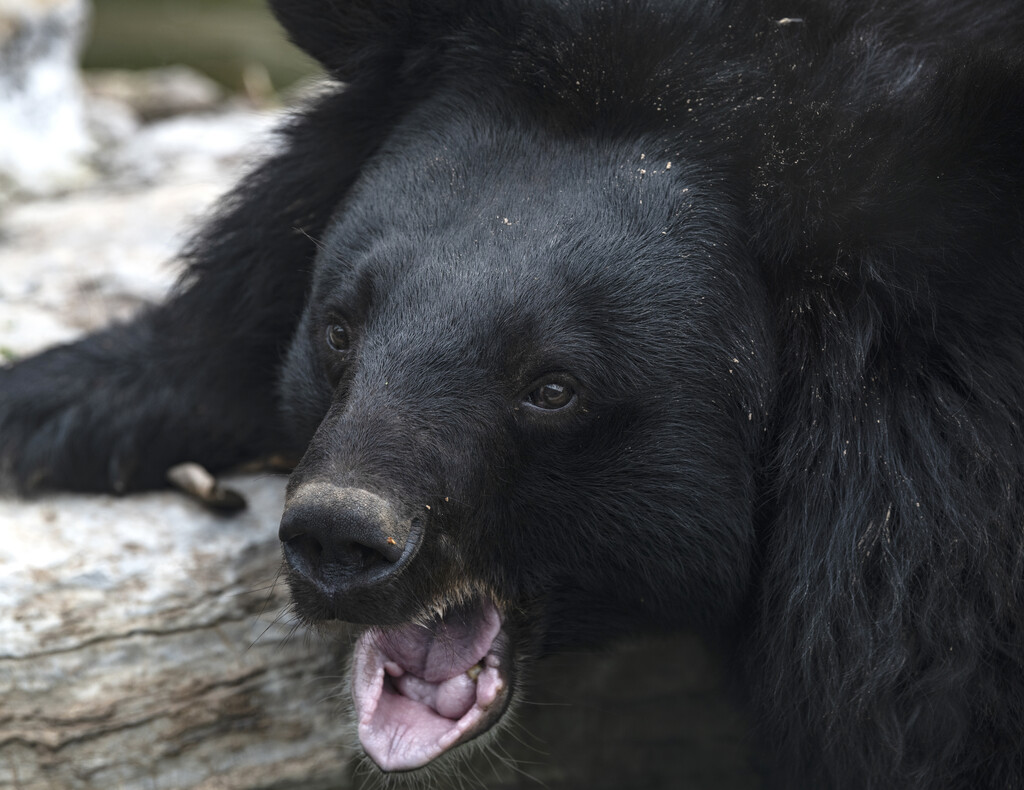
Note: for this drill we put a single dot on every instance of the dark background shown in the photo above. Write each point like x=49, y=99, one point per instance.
x=222, y=38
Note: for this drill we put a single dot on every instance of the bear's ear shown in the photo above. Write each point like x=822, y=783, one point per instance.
x=350, y=37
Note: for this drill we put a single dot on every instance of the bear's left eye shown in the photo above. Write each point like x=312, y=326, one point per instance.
x=552, y=395
x=338, y=338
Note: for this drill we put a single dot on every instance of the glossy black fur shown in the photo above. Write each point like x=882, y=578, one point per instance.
x=799, y=350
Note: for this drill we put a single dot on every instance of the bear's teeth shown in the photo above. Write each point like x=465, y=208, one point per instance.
x=475, y=670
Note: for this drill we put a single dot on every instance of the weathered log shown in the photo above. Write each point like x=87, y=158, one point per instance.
x=143, y=645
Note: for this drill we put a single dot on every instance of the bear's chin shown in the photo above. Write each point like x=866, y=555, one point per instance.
x=422, y=688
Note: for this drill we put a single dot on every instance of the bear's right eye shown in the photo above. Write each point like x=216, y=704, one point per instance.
x=338, y=338
x=552, y=395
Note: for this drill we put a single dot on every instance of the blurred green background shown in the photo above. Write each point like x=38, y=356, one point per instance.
x=237, y=42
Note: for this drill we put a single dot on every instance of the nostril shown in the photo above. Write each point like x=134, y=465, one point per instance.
x=305, y=554
x=365, y=558
x=341, y=538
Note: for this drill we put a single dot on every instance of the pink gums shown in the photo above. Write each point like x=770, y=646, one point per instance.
x=419, y=691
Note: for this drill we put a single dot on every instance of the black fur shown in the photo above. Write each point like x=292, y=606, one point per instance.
x=798, y=350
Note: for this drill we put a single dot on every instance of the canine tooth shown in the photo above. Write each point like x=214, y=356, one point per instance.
x=474, y=671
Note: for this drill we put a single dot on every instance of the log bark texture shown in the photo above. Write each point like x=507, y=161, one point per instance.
x=142, y=645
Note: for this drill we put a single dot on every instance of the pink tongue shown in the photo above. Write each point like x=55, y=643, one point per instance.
x=452, y=699
x=448, y=649
x=416, y=690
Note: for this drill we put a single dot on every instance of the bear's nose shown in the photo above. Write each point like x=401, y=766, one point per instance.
x=340, y=539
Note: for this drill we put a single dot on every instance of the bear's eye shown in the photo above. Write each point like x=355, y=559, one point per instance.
x=337, y=338
x=552, y=395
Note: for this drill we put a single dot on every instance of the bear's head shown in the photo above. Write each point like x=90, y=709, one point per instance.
x=532, y=368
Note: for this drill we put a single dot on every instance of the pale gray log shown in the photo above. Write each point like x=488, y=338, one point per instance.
x=143, y=645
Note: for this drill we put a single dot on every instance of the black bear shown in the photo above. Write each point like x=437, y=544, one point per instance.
x=597, y=317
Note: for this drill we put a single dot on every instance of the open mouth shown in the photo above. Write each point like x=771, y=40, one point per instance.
x=419, y=690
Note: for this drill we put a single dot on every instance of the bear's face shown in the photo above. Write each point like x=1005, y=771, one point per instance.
x=530, y=387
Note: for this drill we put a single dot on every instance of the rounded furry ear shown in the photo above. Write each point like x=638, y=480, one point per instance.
x=351, y=37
